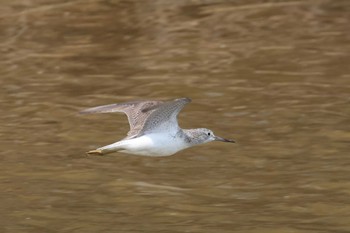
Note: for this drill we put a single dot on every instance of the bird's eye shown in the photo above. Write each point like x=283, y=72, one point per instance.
x=208, y=134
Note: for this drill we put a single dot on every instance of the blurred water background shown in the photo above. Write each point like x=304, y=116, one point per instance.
x=274, y=75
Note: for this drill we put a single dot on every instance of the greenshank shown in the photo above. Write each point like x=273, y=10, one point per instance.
x=154, y=130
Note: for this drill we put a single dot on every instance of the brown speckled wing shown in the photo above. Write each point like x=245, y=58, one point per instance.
x=164, y=116
x=136, y=111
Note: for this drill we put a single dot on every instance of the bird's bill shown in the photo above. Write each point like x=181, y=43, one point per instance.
x=224, y=139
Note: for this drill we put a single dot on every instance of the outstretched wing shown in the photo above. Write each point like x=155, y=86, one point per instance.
x=163, y=117
x=136, y=111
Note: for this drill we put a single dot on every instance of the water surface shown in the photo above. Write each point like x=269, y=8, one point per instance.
x=273, y=75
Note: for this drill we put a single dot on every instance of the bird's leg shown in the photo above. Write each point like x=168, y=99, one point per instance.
x=105, y=150
x=95, y=152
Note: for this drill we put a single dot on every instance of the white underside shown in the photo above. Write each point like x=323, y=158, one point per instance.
x=154, y=144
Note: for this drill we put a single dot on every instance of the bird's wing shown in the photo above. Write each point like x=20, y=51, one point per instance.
x=136, y=111
x=163, y=117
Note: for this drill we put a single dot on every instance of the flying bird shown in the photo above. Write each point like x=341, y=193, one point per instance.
x=154, y=130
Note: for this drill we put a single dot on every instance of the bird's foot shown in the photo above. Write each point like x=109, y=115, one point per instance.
x=95, y=152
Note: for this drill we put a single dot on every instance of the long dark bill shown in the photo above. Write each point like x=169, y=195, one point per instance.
x=224, y=139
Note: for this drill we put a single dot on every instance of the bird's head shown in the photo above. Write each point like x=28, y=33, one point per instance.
x=203, y=135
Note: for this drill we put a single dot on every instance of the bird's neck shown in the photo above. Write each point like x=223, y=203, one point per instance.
x=189, y=136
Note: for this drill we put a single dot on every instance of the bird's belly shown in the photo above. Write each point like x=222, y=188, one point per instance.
x=154, y=145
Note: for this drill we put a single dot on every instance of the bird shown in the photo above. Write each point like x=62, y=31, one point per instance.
x=154, y=129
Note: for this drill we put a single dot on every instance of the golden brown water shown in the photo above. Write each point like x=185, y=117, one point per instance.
x=274, y=75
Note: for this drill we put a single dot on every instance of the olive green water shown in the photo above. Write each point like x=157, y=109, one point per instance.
x=273, y=75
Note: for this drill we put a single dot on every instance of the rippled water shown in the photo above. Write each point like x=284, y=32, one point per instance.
x=274, y=75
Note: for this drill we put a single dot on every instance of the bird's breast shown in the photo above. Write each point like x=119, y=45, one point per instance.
x=155, y=144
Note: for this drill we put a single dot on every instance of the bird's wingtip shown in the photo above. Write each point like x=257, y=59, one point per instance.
x=83, y=112
x=88, y=111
